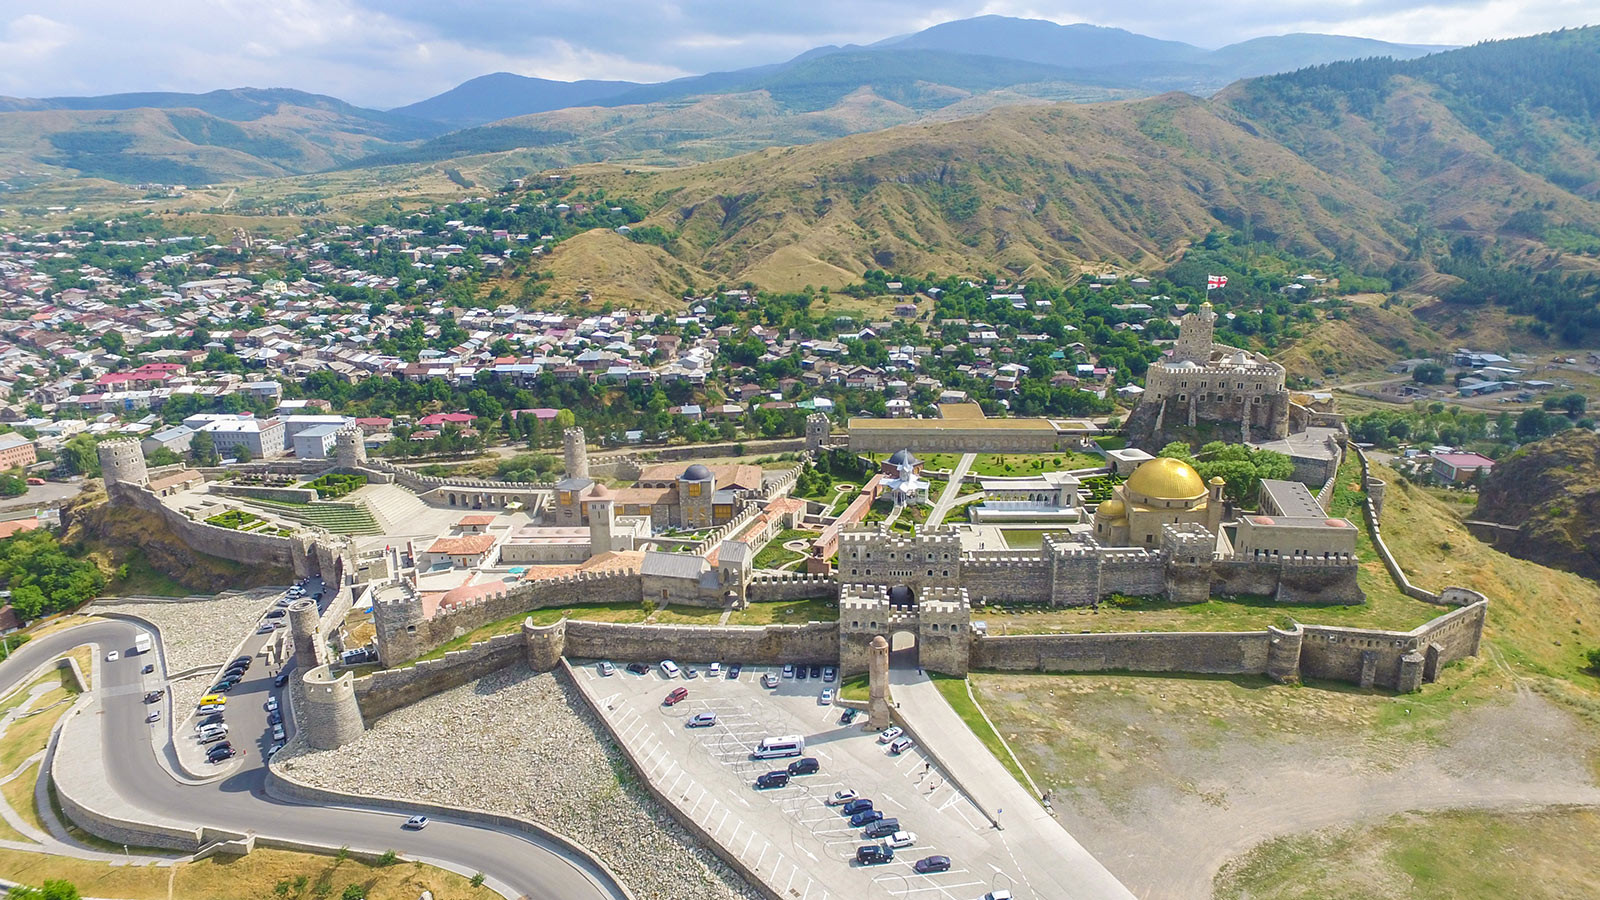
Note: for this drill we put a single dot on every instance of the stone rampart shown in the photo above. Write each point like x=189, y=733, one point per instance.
x=815, y=643
x=764, y=588
x=258, y=492
x=1228, y=653
x=1006, y=578
x=240, y=546
x=1369, y=514
x=390, y=689
x=404, y=635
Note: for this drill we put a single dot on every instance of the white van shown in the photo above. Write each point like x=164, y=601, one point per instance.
x=780, y=747
x=669, y=668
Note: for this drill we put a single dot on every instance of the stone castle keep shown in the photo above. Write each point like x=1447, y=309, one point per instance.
x=1163, y=537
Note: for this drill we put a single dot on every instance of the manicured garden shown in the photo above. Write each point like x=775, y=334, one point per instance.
x=236, y=520
x=334, y=485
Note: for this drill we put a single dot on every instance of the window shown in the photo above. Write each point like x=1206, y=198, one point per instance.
x=694, y=490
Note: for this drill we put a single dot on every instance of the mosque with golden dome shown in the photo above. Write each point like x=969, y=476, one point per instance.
x=1160, y=492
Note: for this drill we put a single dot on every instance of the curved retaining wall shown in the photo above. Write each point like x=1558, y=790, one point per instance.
x=283, y=786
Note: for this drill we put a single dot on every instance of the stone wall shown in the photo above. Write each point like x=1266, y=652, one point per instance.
x=1289, y=580
x=254, y=549
x=390, y=689
x=1006, y=577
x=816, y=643
x=258, y=492
x=765, y=588
x=403, y=634
x=1229, y=653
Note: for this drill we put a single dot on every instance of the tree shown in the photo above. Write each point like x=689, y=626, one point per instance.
x=161, y=456
x=203, y=447
x=13, y=485
x=78, y=457
x=54, y=889
x=1428, y=373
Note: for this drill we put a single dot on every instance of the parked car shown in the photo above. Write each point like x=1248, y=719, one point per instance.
x=689, y=672
x=769, y=680
x=155, y=716
x=607, y=669
x=881, y=828
x=733, y=671
x=901, y=745
x=35, y=481
x=889, y=734
x=148, y=669
x=669, y=668
x=799, y=673
x=280, y=679
x=242, y=659
x=272, y=704
x=675, y=696
x=274, y=718
x=714, y=670
x=806, y=765
x=997, y=895
x=113, y=656
x=213, y=719
x=830, y=673
x=416, y=823
x=846, y=717
x=826, y=697
x=702, y=720
x=860, y=804
x=276, y=613
x=865, y=817
x=772, y=780
x=816, y=671
x=265, y=628
x=277, y=732
x=153, y=696
x=929, y=864
x=873, y=854
x=902, y=839
x=223, y=755
x=840, y=798
x=212, y=737
x=210, y=707
x=788, y=671
x=638, y=668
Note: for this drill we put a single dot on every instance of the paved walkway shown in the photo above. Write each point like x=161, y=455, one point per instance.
x=1029, y=831
x=952, y=489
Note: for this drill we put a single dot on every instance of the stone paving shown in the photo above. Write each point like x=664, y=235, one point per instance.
x=526, y=745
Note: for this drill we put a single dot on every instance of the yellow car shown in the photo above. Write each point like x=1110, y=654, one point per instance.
x=216, y=699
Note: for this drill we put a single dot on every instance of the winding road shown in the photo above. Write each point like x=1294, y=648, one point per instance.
x=512, y=862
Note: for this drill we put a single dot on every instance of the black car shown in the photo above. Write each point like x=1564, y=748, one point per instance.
x=153, y=696
x=772, y=779
x=860, y=804
x=638, y=668
x=274, y=718
x=281, y=679
x=148, y=668
x=235, y=673
x=276, y=614
x=865, y=817
x=242, y=659
x=816, y=671
x=929, y=864
x=805, y=766
x=733, y=671
x=222, y=687
x=799, y=673
x=873, y=854
x=213, y=719
x=846, y=717
x=225, y=755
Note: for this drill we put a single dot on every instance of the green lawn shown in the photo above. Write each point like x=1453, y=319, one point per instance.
x=853, y=688
x=1015, y=465
x=599, y=612
x=1111, y=442
x=1384, y=610
x=774, y=555
x=1023, y=538
x=786, y=612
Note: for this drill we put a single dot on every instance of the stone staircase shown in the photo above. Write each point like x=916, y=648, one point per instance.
x=396, y=509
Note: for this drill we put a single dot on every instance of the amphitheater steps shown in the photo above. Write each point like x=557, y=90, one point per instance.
x=396, y=509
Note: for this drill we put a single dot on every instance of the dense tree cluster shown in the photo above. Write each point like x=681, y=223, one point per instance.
x=43, y=576
x=1240, y=466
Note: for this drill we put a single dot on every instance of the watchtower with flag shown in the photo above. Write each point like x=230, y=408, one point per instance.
x=1195, y=333
x=1216, y=282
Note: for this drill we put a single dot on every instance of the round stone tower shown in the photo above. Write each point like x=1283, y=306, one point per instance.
x=575, y=450
x=122, y=466
x=350, y=448
x=1283, y=653
x=1375, y=489
x=303, y=621
x=329, y=715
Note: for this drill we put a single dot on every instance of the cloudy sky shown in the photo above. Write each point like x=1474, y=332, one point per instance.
x=385, y=53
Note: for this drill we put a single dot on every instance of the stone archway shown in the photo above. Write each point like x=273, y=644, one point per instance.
x=903, y=652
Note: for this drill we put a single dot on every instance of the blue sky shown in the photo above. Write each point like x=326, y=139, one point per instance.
x=386, y=53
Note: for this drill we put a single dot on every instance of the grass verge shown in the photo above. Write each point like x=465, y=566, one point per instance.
x=19, y=796
x=954, y=691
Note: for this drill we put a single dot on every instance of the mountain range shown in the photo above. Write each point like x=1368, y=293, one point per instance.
x=950, y=70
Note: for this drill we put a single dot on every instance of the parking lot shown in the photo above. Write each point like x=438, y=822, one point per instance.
x=789, y=835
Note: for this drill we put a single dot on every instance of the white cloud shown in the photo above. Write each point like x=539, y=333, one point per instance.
x=391, y=52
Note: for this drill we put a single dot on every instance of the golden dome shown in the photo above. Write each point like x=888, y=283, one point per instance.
x=1167, y=479
x=1110, y=509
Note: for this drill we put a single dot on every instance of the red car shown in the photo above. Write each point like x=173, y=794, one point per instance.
x=675, y=696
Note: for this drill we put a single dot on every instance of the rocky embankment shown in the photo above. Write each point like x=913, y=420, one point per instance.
x=1549, y=492
x=523, y=744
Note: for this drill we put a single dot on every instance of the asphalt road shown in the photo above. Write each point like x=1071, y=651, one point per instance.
x=536, y=869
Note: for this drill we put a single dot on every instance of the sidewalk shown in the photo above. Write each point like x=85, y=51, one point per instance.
x=1031, y=833
x=952, y=490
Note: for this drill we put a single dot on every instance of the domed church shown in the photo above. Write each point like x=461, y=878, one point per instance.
x=1160, y=492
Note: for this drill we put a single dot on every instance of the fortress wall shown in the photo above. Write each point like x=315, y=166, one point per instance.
x=1203, y=652
x=764, y=588
x=251, y=491
x=815, y=643
x=1288, y=582
x=390, y=689
x=1136, y=573
x=254, y=549
x=1369, y=513
x=398, y=644
x=1015, y=579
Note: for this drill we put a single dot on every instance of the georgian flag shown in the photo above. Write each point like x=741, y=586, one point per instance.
x=1216, y=281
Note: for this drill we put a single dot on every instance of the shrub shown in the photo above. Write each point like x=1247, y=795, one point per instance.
x=1593, y=658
